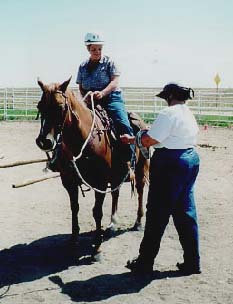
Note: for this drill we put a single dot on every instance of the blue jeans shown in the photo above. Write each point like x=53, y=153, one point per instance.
x=171, y=193
x=115, y=107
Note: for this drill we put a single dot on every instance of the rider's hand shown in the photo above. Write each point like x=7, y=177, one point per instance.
x=98, y=94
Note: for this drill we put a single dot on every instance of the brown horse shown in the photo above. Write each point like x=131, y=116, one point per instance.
x=86, y=153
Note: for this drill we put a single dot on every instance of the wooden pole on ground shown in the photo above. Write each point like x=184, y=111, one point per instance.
x=23, y=162
x=36, y=180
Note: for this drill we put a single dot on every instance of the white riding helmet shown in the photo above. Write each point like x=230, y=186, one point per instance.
x=93, y=38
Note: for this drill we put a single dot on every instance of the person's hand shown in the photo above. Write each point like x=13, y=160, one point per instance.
x=127, y=139
x=98, y=94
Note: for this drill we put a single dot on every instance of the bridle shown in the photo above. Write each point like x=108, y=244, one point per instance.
x=60, y=125
x=68, y=108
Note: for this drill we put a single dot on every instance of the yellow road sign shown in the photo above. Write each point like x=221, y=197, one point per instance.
x=217, y=79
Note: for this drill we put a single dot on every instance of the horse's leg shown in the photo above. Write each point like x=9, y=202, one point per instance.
x=98, y=214
x=114, y=217
x=119, y=171
x=140, y=176
x=72, y=189
x=140, y=211
x=74, y=205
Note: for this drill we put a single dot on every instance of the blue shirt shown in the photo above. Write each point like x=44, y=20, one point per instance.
x=97, y=78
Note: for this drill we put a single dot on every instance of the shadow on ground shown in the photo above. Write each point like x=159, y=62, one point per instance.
x=53, y=254
x=106, y=286
x=45, y=256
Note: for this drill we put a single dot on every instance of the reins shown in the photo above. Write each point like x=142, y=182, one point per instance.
x=83, y=147
x=92, y=126
x=74, y=159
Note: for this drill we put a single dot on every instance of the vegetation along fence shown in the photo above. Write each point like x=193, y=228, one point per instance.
x=209, y=105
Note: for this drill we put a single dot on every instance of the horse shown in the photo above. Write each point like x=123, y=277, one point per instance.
x=86, y=154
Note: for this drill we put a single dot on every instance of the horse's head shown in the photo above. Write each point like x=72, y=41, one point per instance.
x=53, y=108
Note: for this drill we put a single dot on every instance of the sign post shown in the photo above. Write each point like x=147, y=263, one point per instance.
x=217, y=80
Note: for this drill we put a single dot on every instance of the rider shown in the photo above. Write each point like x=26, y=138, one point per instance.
x=100, y=75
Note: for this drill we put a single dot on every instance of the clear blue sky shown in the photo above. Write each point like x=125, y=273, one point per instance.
x=153, y=42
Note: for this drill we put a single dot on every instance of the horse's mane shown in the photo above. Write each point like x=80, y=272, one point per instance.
x=74, y=96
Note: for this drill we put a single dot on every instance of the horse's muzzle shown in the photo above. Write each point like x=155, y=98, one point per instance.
x=45, y=143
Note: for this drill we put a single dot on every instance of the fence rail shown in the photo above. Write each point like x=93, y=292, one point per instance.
x=208, y=105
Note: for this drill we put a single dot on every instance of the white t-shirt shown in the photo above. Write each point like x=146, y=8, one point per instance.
x=175, y=128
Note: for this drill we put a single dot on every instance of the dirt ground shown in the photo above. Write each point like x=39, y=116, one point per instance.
x=38, y=266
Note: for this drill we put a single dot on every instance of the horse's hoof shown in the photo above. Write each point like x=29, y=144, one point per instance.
x=110, y=232
x=114, y=220
x=137, y=227
x=97, y=257
x=111, y=227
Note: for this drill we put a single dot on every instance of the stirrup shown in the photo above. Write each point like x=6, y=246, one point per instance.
x=131, y=174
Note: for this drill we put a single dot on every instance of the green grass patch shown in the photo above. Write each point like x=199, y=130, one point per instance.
x=11, y=114
x=215, y=120
x=212, y=120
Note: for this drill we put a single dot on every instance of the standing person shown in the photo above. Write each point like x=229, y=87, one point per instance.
x=100, y=75
x=173, y=170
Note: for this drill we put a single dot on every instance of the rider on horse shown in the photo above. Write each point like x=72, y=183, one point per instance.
x=100, y=75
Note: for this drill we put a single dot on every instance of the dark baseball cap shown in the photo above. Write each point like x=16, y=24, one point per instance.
x=168, y=89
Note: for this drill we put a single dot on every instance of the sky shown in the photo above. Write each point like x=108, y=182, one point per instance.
x=153, y=42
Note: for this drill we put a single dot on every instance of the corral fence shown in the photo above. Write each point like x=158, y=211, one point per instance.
x=209, y=105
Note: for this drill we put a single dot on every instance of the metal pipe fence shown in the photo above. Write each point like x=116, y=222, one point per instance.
x=209, y=105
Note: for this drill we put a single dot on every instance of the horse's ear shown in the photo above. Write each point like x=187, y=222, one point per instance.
x=64, y=85
x=40, y=83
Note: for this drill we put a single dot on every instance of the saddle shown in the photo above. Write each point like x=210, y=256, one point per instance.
x=106, y=120
x=135, y=121
x=119, y=150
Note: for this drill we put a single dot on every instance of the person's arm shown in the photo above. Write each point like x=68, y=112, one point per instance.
x=109, y=88
x=146, y=140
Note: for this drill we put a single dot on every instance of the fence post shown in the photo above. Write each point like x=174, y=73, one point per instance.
x=26, y=102
x=5, y=105
x=155, y=104
x=221, y=112
x=143, y=104
x=13, y=99
x=199, y=105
